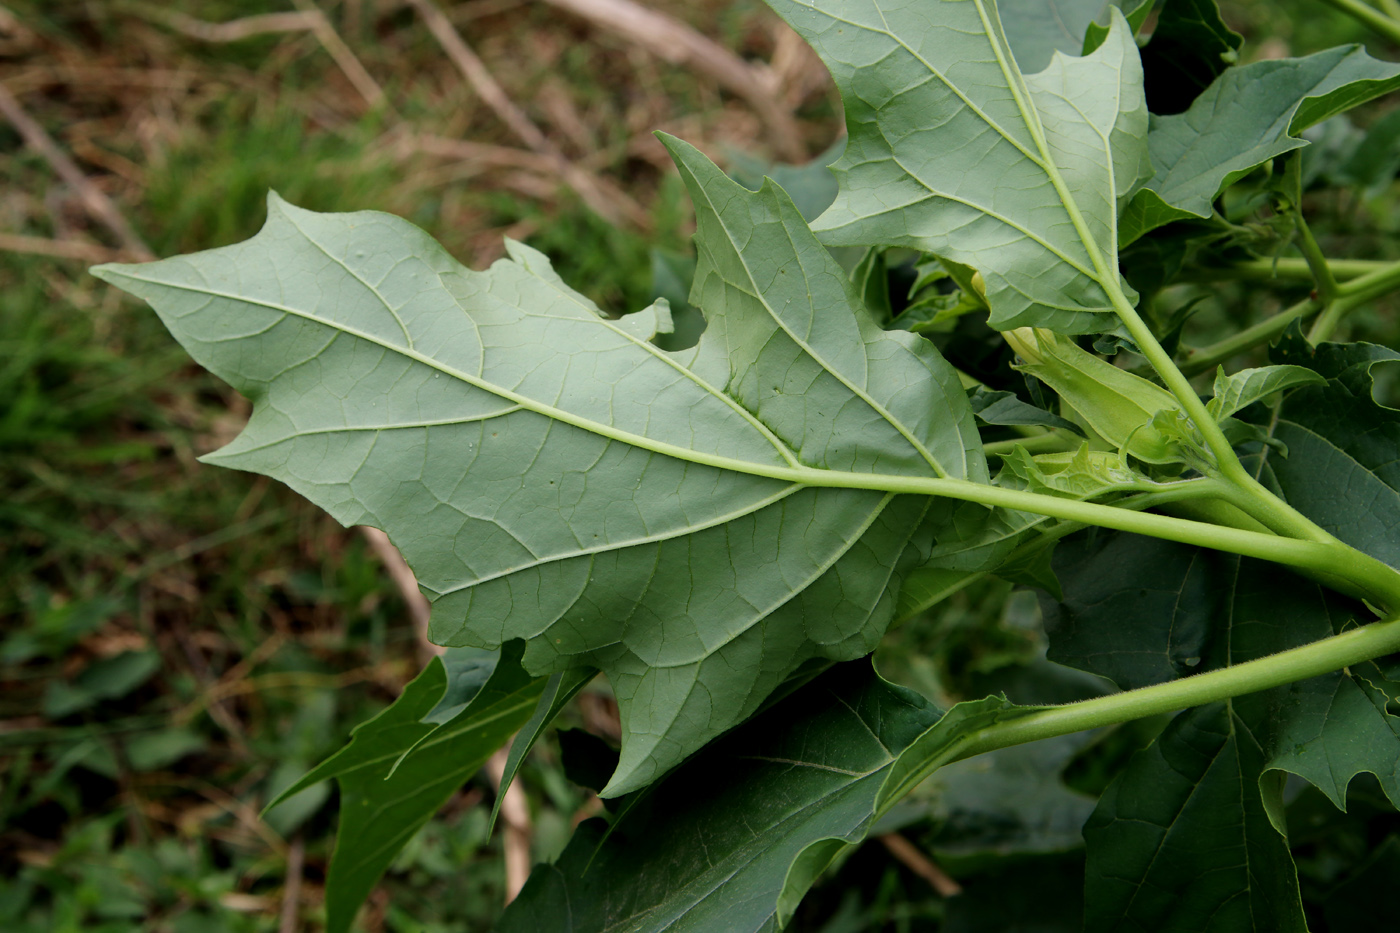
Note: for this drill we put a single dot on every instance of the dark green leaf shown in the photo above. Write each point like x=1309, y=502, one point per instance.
x=1005, y=408
x=1338, y=433
x=801, y=781
x=1246, y=117
x=1183, y=840
x=1191, y=46
x=1007, y=802
x=560, y=689
x=1135, y=610
x=399, y=768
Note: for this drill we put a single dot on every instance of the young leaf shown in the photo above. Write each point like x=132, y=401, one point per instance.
x=400, y=767
x=551, y=475
x=1242, y=389
x=1183, y=839
x=1246, y=117
x=1005, y=408
x=558, y=691
x=952, y=151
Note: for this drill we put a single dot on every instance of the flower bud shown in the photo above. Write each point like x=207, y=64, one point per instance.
x=1115, y=403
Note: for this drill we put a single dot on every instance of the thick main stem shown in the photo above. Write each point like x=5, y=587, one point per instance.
x=1313, y=660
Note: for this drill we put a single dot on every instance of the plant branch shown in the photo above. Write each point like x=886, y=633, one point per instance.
x=1352, y=295
x=1311, y=660
x=1317, y=263
x=1286, y=269
x=1204, y=359
x=1329, y=560
x=1370, y=16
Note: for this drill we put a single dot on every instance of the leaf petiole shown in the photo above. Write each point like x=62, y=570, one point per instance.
x=1310, y=660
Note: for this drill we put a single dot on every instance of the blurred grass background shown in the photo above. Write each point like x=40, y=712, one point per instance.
x=178, y=642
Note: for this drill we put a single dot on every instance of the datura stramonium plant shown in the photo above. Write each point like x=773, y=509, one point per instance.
x=726, y=531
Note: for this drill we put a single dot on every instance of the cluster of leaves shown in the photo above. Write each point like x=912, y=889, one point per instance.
x=725, y=526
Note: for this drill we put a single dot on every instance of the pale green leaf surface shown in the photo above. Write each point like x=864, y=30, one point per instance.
x=551, y=475
x=1242, y=389
x=952, y=151
x=1037, y=29
x=1246, y=117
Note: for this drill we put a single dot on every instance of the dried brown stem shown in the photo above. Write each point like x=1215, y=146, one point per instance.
x=291, y=891
x=402, y=575
x=675, y=42
x=920, y=864
x=515, y=814
x=604, y=199
x=66, y=249
x=307, y=19
x=98, y=204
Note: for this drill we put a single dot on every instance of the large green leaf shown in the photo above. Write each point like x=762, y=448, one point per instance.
x=1157, y=846
x=1339, y=432
x=1169, y=592
x=405, y=763
x=952, y=151
x=1246, y=117
x=1182, y=841
x=551, y=475
x=801, y=782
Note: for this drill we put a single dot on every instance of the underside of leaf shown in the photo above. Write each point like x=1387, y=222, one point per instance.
x=952, y=151
x=551, y=475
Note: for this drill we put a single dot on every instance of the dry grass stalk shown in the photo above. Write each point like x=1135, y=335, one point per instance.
x=291, y=891
x=674, y=41
x=407, y=583
x=65, y=249
x=515, y=813
x=307, y=19
x=97, y=204
x=920, y=864
x=603, y=198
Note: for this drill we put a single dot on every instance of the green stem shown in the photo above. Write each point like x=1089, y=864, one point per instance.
x=1204, y=359
x=1275, y=270
x=1382, y=279
x=1049, y=442
x=1372, y=17
x=1327, y=288
x=1327, y=560
x=1312, y=660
